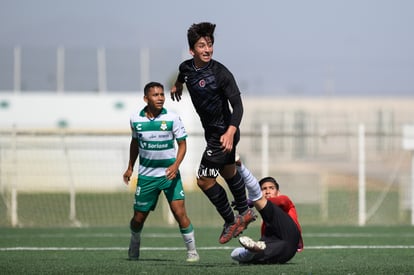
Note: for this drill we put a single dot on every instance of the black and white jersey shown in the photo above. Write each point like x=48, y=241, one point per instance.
x=212, y=88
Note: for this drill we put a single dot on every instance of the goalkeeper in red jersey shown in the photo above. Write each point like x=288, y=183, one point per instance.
x=281, y=233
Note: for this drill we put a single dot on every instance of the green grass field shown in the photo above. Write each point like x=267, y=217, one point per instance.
x=328, y=250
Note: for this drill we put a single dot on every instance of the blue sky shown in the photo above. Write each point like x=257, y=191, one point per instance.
x=302, y=47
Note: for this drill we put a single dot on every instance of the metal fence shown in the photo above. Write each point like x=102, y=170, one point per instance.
x=75, y=178
x=85, y=69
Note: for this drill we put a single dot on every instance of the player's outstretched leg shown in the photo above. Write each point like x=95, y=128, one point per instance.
x=246, y=253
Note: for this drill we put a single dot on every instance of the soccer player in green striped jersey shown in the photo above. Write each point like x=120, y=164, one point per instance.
x=154, y=133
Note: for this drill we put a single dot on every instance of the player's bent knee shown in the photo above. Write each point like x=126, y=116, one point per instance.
x=206, y=183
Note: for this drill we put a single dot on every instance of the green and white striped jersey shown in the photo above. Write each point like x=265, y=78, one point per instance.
x=156, y=139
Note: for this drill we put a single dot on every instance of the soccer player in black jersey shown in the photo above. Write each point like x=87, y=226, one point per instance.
x=212, y=89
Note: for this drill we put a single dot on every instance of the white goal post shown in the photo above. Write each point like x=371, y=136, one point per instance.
x=408, y=144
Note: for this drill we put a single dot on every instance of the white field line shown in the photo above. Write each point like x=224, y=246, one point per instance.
x=177, y=235
x=357, y=235
x=325, y=247
x=162, y=235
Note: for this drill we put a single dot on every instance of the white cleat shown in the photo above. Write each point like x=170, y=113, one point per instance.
x=251, y=245
x=192, y=257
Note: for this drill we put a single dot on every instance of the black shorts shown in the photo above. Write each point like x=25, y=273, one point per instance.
x=214, y=158
x=281, y=236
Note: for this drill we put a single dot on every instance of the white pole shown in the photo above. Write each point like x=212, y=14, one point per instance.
x=361, y=176
x=13, y=208
x=72, y=190
x=145, y=66
x=412, y=188
x=101, y=70
x=265, y=150
x=60, y=70
x=14, y=217
x=408, y=144
x=17, y=70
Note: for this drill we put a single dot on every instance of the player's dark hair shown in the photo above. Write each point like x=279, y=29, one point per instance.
x=151, y=85
x=269, y=179
x=196, y=31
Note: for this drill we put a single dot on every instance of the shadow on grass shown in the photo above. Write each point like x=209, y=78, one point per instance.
x=150, y=260
x=172, y=262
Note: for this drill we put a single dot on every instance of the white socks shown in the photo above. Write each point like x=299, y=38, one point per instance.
x=252, y=185
x=189, y=241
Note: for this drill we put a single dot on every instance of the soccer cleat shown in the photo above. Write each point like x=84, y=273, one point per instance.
x=133, y=251
x=246, y=218
x=192, y=256
x=251, y=245
x=241, y=255
x=229, y=230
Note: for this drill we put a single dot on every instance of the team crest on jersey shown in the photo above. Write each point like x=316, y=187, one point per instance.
x=202, y=83
x=163, y=126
